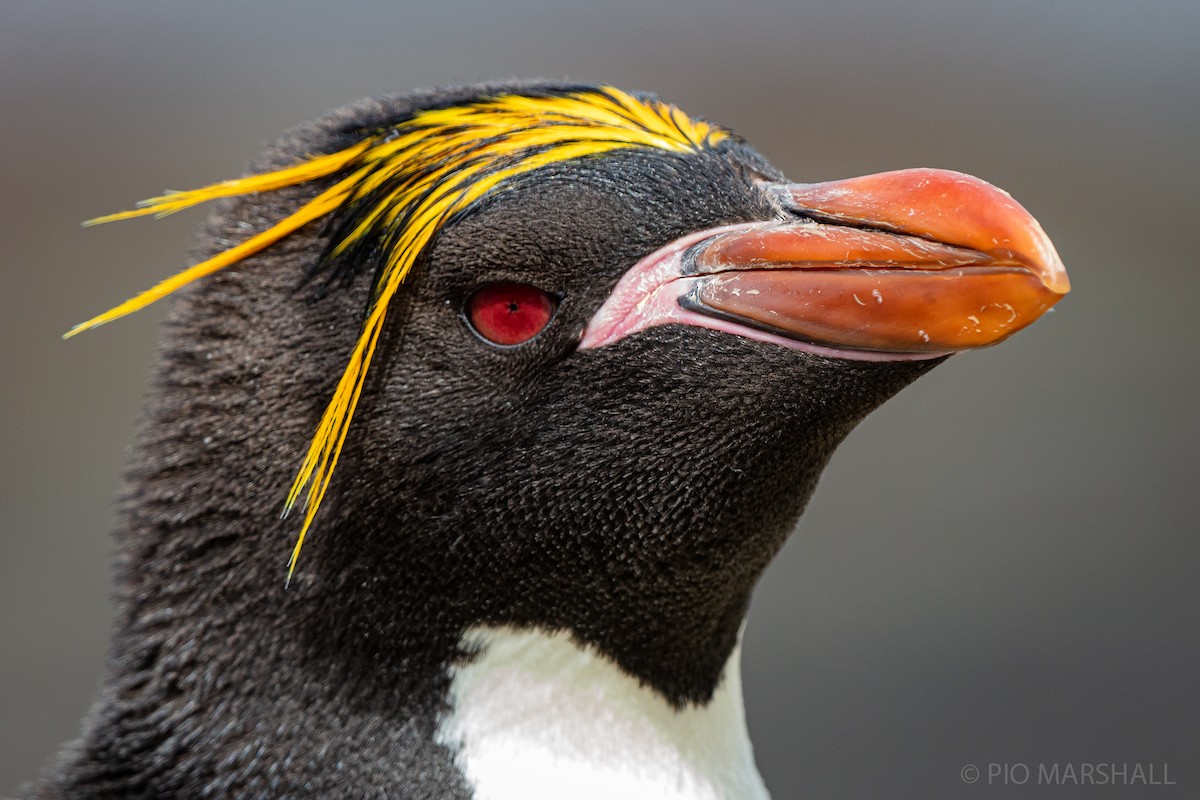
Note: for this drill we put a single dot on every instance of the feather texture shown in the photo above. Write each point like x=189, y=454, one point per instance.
x=396, y=188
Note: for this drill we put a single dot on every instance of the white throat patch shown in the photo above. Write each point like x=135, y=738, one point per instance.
x=534, y=717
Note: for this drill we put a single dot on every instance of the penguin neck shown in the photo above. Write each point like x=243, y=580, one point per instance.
x=537, y=715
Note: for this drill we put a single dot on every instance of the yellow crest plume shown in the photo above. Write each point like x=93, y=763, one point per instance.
x=405, y=182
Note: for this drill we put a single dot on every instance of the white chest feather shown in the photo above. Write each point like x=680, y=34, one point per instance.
x=535, y=717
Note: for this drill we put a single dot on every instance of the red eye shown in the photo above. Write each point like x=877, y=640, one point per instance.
x=509, y=313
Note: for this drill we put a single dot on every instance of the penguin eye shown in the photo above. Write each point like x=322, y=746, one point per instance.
x=508, y=314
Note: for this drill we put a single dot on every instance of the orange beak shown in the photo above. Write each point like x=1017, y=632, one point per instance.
x=910, y=264
x=915, y=261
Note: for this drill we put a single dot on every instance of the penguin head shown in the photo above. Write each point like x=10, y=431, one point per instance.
x=591, y=385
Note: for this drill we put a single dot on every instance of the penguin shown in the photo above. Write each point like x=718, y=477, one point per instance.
x=542, y=376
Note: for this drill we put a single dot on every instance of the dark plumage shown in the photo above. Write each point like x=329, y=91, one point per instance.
x=630, y=494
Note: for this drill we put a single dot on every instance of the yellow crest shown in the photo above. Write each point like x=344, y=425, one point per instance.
x=413, y=177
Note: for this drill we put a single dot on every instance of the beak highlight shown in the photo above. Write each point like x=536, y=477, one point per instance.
x=914, y=263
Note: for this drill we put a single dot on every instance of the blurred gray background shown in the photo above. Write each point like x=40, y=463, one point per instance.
x=1001, y=565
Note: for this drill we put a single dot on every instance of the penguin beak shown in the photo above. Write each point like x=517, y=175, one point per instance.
x=917, y=263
